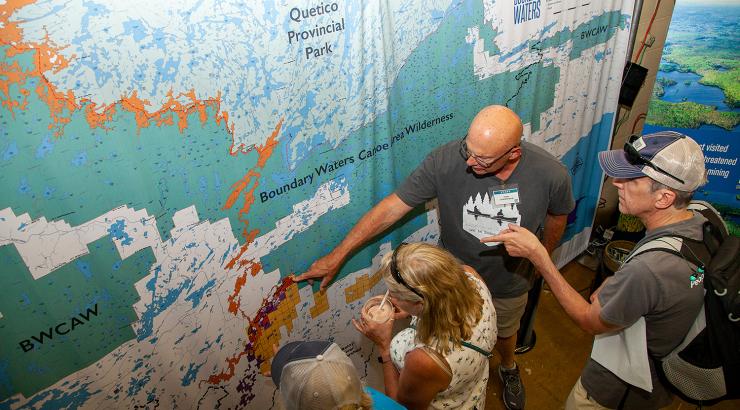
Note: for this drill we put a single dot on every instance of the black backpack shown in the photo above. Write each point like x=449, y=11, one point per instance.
x=705, y=367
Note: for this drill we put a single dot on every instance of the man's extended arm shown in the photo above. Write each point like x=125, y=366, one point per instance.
x=521, y=242
x=376, y=220
x=586, y=315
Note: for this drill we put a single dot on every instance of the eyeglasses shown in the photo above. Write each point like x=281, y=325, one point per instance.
x=397, y=275
x=634, y=158
x=482, y=161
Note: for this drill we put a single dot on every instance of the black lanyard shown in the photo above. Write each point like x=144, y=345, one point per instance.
x=471, y=346
x=477, y=349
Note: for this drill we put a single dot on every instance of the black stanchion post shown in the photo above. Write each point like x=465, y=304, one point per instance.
x=526, y=337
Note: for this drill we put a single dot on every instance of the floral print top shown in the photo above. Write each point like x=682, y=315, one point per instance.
x=467, y=389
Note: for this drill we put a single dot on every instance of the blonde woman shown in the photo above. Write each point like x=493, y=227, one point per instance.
x=441, y=361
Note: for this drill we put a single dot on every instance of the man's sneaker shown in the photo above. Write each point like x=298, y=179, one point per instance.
x=513, y=388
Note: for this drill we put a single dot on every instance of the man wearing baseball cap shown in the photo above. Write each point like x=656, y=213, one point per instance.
x=318, y=375
x=647, y=307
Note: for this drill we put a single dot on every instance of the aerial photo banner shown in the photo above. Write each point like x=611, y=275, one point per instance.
x=167, y=165
x=697, y=92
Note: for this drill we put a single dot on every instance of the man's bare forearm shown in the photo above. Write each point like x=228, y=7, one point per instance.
x=586, y=315
x=523, y=243
x=375, y=221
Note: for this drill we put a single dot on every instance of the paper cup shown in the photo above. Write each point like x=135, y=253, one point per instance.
x=372, y=313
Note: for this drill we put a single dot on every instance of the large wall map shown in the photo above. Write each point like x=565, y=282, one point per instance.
x=167, y=165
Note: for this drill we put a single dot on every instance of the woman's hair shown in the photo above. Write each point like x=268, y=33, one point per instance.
x=452, y=303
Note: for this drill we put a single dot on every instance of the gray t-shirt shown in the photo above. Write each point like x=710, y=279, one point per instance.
x=464, y=200
x=654, y=285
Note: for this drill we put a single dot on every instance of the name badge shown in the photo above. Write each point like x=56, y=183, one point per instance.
x=506, y=196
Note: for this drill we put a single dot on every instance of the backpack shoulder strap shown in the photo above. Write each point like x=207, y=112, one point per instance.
x=715, y=231
x=696, y=252
x=712, y=215
x=669, y=243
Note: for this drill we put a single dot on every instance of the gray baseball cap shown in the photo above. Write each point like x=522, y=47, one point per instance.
x=669, y=157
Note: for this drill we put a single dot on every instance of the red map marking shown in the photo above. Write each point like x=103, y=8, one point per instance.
x=255, y=349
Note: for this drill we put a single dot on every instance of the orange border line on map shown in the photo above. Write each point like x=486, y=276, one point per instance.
x=48, y=59
x=63, y=104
